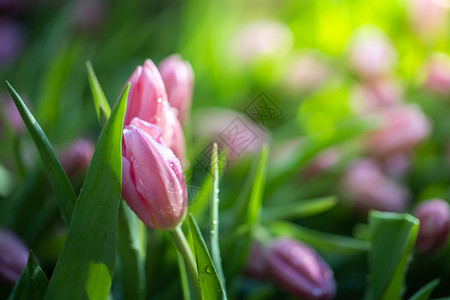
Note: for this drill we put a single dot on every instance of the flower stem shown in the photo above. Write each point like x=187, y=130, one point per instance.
x=183, y=247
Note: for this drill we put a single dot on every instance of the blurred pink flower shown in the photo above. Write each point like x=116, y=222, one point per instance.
x=256, y=264
x=299, y=270
x=13, y=255
x=371, y=53
x=437, y=74
x=428, y=18
x=434, y=217
x=324, y=161
x=152, y=179
x=76, y=158
x=178, y=78
x=368, y=188
x=12, y=41
x=402, y=127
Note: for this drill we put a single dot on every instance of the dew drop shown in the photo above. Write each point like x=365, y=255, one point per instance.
x=173, y=209
x=215, y=222
x=209, y=269
x=213, y=232
x=159, y=100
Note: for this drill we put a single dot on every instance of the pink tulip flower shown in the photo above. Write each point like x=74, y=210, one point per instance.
x=152, y=180
x=437, y=74
x=256, y=264
x=147, y=100
x=299, y=270
x=368, y=188
x=13, y=255
x=428, y=18
x=434, y=217
x=178, y=78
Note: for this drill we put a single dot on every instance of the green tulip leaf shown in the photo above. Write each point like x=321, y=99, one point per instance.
x=210, y=284
x=101, y=103
x=425, y=292
x=32, y=282
x=86, y=264
x=58, y=178
x=392, y=238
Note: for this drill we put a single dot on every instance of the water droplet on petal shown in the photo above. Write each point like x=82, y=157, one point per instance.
x=173, y=209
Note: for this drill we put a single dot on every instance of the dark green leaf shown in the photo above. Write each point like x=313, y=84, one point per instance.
x=131, y=251
x=300, y=209
x=183, y=277
x=32, y=282
x=86, y=264
x=319, y=240
x=425, y=292
x=210, y=284
x=58, y=178
x=392, y=238
x=100, y=102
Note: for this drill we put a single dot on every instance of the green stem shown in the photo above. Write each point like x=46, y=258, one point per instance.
x=183, y=246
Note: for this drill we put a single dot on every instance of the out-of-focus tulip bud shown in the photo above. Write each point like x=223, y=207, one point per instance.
x=178, y=78
x=376, y=94
x=256, y=264
x=396, y=164
x=368, y=188
x=306, y=72
x=371, y=53
x=10, y=114
x=300, y=270
x=428, y=18
x=230, y=130
x=13, y=255
x=147, y=100
x=12, y=39
x=325, y=160
x=402, y=127
x=259, y=39
x=88, y=14
x=75, y=159
x=152, y=179
x=434, y=217
x=437, y=74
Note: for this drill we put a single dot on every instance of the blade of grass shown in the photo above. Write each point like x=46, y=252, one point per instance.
x=210, y=283
x=86, y=264
x=58, y=178
x=214, y=215
x=425, y=292
x=100, y=102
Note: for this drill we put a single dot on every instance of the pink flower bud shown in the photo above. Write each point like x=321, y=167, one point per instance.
x=428, y=18
x=147, y=100
x=376, y=94
x=256, y=264
x=434, y=217
x=371, y=53
x=76, y=158
x=368, y=188
x=324, y=161
x=402, y=127
x=300, y=270
x=13, y=255
x=178, y=78
x=152, y=180
x=437, y=74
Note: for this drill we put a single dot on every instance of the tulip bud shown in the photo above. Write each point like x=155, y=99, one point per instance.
x=428, y=18
x=12, y=39
x=368, y=188
x=75, y=159
x=13, y=255
x=152, y=180
x=402, y=127
x=88, y=14
x=147, y=100
x=371, y=53
x=434, y=217
x=256, y=265
x=300, y=270
x=437, y=74
x=178, y=78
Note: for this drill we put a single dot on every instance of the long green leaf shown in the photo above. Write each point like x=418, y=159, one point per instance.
x=100, y=102
x=214, y=215
x=32, y=282
x=210, y=284
x=58, y=178
x=131, y=251
x=183, y=277
x=300, y=209
x=86, y=264
x=425, y=292
x=392, y=238
x=319, y=240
